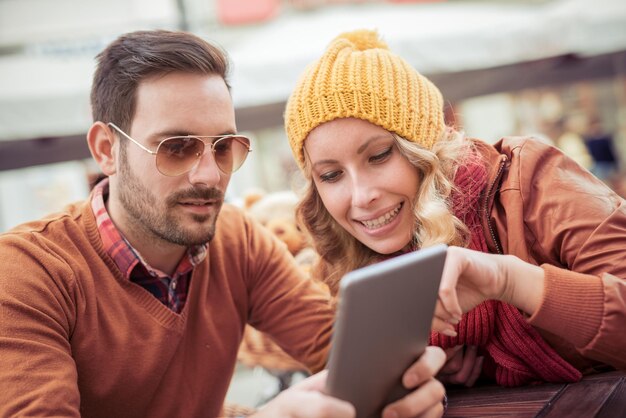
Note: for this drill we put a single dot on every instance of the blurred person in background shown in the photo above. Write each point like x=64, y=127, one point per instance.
x=601, y=148
x=534, y=285
x=133, y=302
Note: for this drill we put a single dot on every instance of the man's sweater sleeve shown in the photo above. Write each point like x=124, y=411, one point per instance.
x=38, y=375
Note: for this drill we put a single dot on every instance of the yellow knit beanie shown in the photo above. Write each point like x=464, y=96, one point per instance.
x=358, y=76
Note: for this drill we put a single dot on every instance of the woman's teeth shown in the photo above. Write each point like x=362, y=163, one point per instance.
x=383, y=219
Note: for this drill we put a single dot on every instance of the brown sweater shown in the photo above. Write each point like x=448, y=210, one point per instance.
x=76, y=338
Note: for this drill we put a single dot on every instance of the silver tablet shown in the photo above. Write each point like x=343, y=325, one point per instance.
x=383, y=323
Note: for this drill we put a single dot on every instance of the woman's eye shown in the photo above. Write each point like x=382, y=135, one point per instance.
x=330, y=177
x=380, y=157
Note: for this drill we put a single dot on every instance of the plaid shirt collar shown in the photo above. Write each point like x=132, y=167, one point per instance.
x=123, y=254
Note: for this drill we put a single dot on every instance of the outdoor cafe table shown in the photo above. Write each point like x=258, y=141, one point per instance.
x=599, y=395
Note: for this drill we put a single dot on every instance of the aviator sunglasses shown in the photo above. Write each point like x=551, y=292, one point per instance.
x=177, y=155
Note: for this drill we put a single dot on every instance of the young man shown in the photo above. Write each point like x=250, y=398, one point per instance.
x=133, y=302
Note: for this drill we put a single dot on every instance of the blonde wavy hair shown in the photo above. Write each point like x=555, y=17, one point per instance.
x=435, y=222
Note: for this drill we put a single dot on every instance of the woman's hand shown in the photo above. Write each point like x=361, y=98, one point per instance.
x=463, y=366
x=471, y=277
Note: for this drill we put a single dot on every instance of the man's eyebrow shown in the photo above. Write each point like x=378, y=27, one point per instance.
x=167, y=133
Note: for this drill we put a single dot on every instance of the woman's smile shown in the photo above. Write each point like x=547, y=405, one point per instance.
x=382, y=220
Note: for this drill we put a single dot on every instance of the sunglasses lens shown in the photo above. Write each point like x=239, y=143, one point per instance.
x=230, y=152
x=177, y=155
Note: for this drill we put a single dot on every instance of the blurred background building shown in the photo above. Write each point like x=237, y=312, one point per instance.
x=556, y=69
x=551, y=68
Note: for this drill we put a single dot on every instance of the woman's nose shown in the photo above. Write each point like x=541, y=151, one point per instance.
x=364, y=192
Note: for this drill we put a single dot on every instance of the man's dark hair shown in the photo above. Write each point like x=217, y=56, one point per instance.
x=136, y=56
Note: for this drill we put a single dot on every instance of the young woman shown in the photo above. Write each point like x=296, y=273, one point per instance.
x=534, y=285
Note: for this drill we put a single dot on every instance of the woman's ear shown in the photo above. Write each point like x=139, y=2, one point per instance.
x=102, y=142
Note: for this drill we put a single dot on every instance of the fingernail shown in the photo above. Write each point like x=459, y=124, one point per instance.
x=453, y=321
x=390, y=413
x=410, y=380
x=449, y=332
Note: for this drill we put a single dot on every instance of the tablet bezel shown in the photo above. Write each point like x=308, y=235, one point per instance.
x=382, y=326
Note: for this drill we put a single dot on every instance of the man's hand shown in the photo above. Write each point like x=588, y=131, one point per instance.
x=426, y=399
x=306, y=400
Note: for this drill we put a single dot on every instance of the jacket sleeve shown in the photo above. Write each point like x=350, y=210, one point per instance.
x=37, y=373
x=575, y=228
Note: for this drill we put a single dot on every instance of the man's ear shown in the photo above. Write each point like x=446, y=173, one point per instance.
x=102, y=143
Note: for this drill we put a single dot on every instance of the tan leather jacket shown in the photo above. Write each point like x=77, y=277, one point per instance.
x=542, y=207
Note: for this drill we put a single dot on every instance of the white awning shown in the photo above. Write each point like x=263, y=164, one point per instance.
x=49, y=96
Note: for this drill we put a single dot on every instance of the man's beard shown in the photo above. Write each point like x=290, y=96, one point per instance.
x=158, y=217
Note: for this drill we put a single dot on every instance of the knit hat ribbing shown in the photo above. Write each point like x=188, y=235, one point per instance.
x=358, y=76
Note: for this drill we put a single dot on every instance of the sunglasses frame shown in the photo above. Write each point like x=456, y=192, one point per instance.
x=200, y=137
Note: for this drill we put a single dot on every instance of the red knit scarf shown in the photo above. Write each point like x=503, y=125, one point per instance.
x=516, y=353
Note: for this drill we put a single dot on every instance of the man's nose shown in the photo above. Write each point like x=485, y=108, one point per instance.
x=206, y=170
